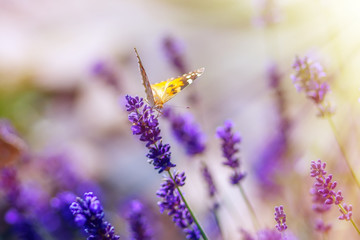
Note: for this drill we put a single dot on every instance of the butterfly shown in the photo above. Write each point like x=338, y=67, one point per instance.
x=159, y=93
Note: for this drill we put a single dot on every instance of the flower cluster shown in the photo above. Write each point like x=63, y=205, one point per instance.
x=88, y=213
x=209, y=180
x=138, y=225
x=9, y=184
x=146, y=124
x=229, y=149
x=310, y=77
x=174, y=51
x=324, y=191
x=186, y=132
x=106, y=73
x=172, y=202
x=280, y=218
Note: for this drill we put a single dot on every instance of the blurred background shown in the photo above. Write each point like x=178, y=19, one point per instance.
x=66, y=66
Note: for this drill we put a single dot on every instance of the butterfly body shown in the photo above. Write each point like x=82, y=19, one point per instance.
x=159, y=93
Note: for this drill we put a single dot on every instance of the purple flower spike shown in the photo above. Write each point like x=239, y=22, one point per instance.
x=229, y=149
x=310, y=78
x=138, y=225
x=186, y=132
x=324, y=193
x=106, y=73
x=209, y=180
x=173, y=204
x=317, y=168
x=146, y=124
x=346, y=215
x=280, y=218
x=320, y=226
x=174, y=51
x=10, y=184
x=88, y=213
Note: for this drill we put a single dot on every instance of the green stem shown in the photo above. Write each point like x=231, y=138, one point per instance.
x=342, y=150
x=250, y=207
x=187, y=206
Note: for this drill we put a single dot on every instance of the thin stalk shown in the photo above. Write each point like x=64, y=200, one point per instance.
x=217, y=220
x=187, y=206
x=342, y=150
x=250, y=207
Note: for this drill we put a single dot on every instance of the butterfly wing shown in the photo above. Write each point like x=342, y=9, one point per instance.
x=166, y=90
x=146, y=82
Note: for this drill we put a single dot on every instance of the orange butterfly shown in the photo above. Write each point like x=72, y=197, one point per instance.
x=159, y=93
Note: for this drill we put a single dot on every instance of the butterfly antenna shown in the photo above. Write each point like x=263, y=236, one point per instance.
x=175, y=106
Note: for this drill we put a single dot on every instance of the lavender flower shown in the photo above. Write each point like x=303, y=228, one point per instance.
x=324, y=190
x=280, y=218
x=310, y=78
x=229, y=148
x=138, y=225
x=106, y=73
x=59, y=169
x=269, y=234
x=146, y=124
x=172, y=202
x=21, y=227
x=174, y=51
x=10, y=184
x=346, y=213
x=209, y=180
x=61, y=204
x=186, y=132
x=89, y=214
x=264, y=234
x=268, y=13
x=321, y=227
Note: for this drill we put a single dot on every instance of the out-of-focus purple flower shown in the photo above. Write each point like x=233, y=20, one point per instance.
x=89, y=214
x=229, y=149
x=59, y=168
x=20, y=226
x=280, y=218
x=12, y=146
x=271, y=160
x=61, y=204
x=324, y=192
x=321, y=227
x=173, y=204
x=146, y=124
x=310, y=78
x=268, y=13
x=246, y=235
x=138, y=225
x=274, y=75
x=186, y=131
x=264, y=234
x=174, y=51
x=106, y=73
x=268, y=234
x=9, y=184
x=209, y=180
